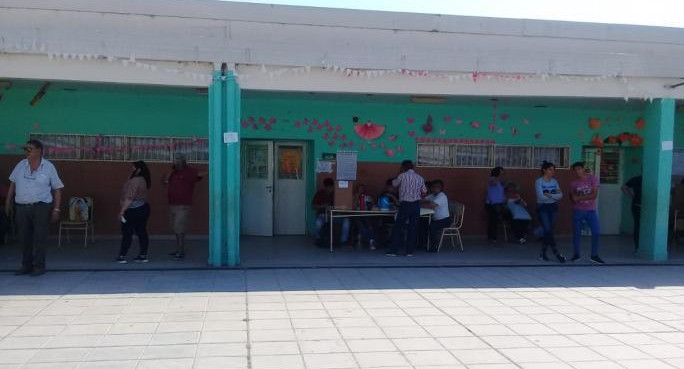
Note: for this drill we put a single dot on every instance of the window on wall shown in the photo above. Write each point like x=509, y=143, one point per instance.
x=122, y=148
x=489, y=155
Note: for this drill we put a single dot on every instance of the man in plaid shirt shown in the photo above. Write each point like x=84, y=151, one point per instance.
x=411, y=190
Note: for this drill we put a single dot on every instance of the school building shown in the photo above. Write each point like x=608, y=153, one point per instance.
x=265, y=95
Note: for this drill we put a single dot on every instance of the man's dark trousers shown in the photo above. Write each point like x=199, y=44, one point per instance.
x=409, y=212
x=33, y=222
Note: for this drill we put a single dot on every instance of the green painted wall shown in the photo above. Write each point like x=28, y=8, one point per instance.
x=308, y=120
x=100, y=109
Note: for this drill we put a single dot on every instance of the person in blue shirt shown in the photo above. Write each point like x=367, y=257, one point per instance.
x=35, y=193
x=548, y=193
x=495, y=202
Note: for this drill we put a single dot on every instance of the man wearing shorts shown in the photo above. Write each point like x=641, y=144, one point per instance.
x=181, y=184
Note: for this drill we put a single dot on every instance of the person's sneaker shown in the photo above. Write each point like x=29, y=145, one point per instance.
x=596, y=259
x=575, y=258
x=561, y=258
x=121, y=260
x=409, y=255
x=141, y=259
x=390, y=253
x=543, y=258
x=522, y=241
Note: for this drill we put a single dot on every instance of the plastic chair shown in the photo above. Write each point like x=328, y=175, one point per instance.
x=76, y=222
x=454, y=230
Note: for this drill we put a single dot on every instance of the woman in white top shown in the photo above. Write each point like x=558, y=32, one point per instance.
x=548, y=194
x=437, y=201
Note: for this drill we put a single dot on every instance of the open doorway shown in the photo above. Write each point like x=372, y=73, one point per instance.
x=274, y=183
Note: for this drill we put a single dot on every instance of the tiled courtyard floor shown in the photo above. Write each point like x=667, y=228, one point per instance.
x=600, y=317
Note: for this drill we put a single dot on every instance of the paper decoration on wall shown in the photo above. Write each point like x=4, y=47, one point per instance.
x=640, y=123
x=442, y=131
x=459, y=121
x=389, y=153
x=475, y=125
x=446, y=119
x=427, y=127
x=597, y=141
x=594, y=123
x=36, y=126
x=410, y=120
x=362, y=147
x=505, y=116
x=392, y=138
x=491, y=127
x=633, y=139
x=411, y=133
x=526, y=121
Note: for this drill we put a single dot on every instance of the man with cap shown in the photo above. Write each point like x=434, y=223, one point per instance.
x=181, y=184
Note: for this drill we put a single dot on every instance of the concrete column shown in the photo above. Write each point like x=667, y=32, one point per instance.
x=224, y=171
x=655, y=211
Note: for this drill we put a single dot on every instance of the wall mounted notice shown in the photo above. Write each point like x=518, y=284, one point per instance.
x=324, y=166
x=346, y=165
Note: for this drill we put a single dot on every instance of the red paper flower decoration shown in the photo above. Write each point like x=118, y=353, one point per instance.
x=594, y=123
x=640, y=123
x=427, y=127
x=597, y=141
x=636, y=140
x=369, y=131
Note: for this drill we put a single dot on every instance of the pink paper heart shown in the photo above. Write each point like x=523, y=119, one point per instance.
x=298, y=124
x=392, y=138
x=505, y=116
x=338, y=128
x=331, y=143
x=410, y=120
x=411, y=133
x=343, y=137
x=311, y=129
x=389, y=153
x=262, y=120
x=382, y=145
x=326, y=136
x=272, y=120
x=362, y=147
x=475, y=125
x=447, y=119
x=267, y=127
x=350, y=143
x=244, y=124
x=251, y=119
x=374, y=146
x=319, y=127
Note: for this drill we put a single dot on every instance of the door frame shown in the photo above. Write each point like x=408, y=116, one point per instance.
x=309, y=162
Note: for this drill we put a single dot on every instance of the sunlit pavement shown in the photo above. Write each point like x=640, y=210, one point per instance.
x=470, y=317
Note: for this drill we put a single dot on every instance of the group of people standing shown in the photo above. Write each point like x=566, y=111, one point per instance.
x=583, y=191
x=34, y=199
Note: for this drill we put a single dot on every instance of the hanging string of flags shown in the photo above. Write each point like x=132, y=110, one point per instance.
x=631, y=89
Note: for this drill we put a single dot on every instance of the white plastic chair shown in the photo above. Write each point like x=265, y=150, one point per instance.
x=454, y=230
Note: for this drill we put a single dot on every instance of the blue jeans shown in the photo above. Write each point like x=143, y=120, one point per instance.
x=547, y=216
x=344, y=222
x=407, y=218
x=591, y=218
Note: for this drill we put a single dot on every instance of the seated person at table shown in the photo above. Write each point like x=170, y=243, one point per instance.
x=389, y=198
x=324, y=199
x=520, y=217
x=362, y=201
x=437, y=201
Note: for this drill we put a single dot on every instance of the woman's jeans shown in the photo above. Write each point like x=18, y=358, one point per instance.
x=136, y=223
x=547, y=216
x=589, y=216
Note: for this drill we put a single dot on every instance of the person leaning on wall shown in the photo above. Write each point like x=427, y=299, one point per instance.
x=35, y=192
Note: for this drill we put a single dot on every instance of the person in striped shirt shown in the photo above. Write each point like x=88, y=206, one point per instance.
x=411, y=190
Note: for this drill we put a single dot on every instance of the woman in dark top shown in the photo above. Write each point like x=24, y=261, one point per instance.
x=135, y=211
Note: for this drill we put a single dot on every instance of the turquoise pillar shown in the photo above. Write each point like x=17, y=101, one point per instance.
x=655, y=211
x=224, y=170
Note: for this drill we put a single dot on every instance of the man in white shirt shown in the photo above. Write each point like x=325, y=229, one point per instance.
x=35, y=193
x=411, y=189
x=437, y=201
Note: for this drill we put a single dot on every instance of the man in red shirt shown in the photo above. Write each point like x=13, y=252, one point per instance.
x=181, y=184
